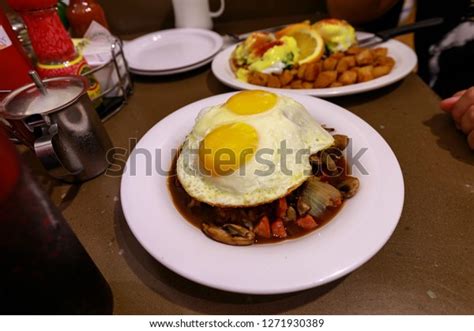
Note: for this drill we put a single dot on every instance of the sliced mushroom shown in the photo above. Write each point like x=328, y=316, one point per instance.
x=349, y=187
x=230, y=234
x=315, y=160
x=328, y=162
x=328, y=129
x=341, y=141
x=302, y=207
x=290, y=214
x=334, y=152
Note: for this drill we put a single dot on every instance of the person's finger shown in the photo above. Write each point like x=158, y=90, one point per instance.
x=463, y=104
x=459, y=93
x=447, y=104
x=467, y=120
x=470, y=139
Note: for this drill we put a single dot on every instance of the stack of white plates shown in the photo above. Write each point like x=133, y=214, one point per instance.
x=172, y=51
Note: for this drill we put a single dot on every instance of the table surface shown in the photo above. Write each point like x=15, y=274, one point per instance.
x=425, y=268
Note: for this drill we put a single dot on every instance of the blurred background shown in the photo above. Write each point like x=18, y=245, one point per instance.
x=139, y=16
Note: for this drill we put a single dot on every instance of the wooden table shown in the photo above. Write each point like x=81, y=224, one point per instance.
x=427, y=267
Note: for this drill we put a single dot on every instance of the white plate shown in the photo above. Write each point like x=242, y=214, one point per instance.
x=171, y=72
x=405, y=62
x=172, y=49
x=357, y=233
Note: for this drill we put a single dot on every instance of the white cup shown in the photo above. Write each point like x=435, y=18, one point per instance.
x=195, y=13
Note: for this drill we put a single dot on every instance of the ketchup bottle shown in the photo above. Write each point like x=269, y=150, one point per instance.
x=14, y=62
x=44, y=269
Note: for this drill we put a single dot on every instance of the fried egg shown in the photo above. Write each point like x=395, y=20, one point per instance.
x=251, y=150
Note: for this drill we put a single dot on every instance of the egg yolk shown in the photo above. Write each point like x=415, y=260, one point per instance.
x=228, y=147
x=251, y=102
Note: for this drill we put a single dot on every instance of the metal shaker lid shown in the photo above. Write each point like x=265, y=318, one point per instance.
x=29, y=100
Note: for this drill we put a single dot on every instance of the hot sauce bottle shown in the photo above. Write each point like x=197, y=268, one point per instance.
x=54, y=49
x=81, y=13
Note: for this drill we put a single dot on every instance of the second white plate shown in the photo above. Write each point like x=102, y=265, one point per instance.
x=172, y=49
x=405, y=62
x=171, y=72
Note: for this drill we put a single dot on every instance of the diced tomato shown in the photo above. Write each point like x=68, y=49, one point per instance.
x=278, y=229
x=263, y=228
x=282, y=208
x=307, y=222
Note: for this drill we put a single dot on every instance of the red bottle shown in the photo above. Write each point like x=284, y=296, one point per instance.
x=81, y=13
x=14, y=62
x=44, y=269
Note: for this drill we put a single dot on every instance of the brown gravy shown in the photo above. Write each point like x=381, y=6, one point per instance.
x=196, y=215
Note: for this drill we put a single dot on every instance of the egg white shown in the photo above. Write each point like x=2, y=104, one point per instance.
x=254, y=183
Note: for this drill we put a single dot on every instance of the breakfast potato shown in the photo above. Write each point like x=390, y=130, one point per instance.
x=325, y=79
x=273, y=81
x=390, y=61
x=301, y=71
x=296, y=84
x=286, y=77
x=345, y=64
x=335, y=84
x=354, y=50
x=310, y=73
x=364, y=58
x=380, y=52
x=342, y=66
x=337, y=56
x=348, y=77
x=307, y=85
x=258, y=78
x=330, y=64
x=364, y=74
x=385, y=61
x=380, y=71
x=318, y=69
x=350, y=60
